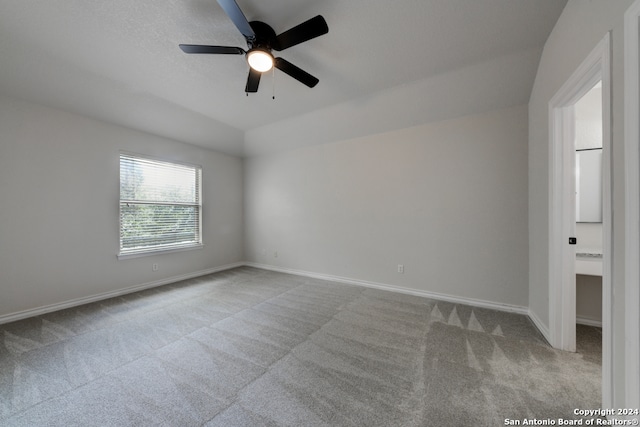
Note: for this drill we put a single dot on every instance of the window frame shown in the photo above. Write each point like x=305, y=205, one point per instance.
x=160, y=249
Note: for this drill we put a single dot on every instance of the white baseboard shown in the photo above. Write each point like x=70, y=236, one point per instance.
x=544, y=330
x=588, y=322
x=11, y=317
x=382, y=286
x=433, y=295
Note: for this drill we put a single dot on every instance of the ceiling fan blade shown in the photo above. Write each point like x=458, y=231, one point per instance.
x=196, y=48
x=295, y=72
x=253, y=80
x=308, y=30
x=234, y=12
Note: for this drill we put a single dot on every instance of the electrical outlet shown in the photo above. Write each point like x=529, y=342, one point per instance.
x=401, y=268
x=154, y=267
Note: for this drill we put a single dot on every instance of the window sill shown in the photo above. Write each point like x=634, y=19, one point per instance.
x=144, y=253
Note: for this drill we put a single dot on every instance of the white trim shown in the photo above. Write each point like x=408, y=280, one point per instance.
x=159, y=251
x=99, y=297
x=607, y=227
x=588, y=322
x=540, y=325
x=632, y=204
x=392, y=288
x=562, y=300
x=386, y=287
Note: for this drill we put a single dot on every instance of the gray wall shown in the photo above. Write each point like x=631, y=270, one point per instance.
x=448, y=200
x=59, y=183
x=579, y=29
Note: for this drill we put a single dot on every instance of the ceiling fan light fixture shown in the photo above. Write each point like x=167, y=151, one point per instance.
x=260, y=59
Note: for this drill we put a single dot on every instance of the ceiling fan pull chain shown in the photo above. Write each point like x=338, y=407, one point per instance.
x=273, y=79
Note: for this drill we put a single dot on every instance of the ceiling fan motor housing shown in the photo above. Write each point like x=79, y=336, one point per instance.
x=265, y=36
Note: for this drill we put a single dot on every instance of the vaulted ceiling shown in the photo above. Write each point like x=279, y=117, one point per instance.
x=382, y=66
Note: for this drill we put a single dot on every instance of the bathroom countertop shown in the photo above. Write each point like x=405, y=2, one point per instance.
x=588, y=252
x=589, y=261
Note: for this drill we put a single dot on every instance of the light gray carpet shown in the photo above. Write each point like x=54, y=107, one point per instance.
x=249, y=347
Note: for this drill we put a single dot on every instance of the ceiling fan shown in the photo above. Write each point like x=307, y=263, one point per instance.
x=261, y=40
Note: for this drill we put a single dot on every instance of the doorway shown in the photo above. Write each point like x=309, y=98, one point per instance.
x=588, y=170
x=562, y=208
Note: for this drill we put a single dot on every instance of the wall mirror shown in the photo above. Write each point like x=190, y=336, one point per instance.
x=588, y=143
x=589, y=185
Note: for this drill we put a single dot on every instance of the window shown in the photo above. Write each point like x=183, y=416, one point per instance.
x=160, y=205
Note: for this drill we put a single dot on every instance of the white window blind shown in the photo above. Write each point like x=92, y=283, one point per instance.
x=160, y=205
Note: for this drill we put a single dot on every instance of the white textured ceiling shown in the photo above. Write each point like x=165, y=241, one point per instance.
x=383, y=65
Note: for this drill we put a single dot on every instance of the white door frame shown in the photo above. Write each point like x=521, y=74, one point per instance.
x=632, y=204
x=562, y=219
